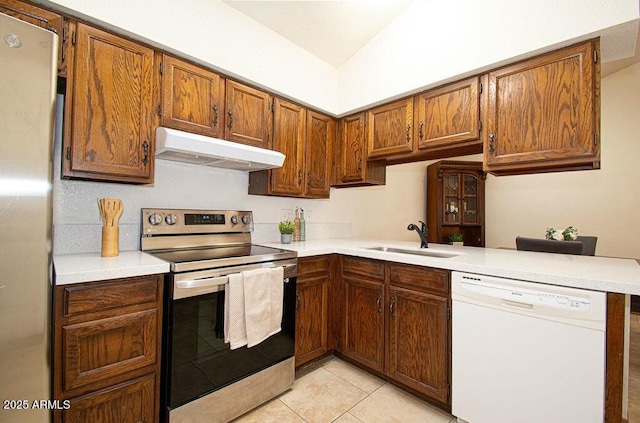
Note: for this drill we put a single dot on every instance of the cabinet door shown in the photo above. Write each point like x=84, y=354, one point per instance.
x=449, y=115
x=389, y=129
x=363, y=338
x=321, y=131
x=192, y=98
x=42, y=18
x=419, y=342
x=131, y=402
x=471, y=199
x=352, y=149
x=544, y=113
x=111, y=110
x=311, y=320
x=249, y=115
x=289, y=137
x=451, y=198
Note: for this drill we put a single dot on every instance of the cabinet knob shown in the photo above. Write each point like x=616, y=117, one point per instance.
x=378, y=302
x=360, y=164
x=391, y=308
x=420, y=133
x=308, y=178
x=492, y=147
x=408, y=133
x=145, y=147
x=299, y=176
x=297, y=301
x=215, y=116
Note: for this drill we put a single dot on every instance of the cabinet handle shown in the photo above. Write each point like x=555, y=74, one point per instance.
x=297, y=301
x=299, y=176
x=360, y=164
x=145, y=147
x=391, y=308
x=408, y=133
x=378, y=302
x=420, y=125
x=215, y=118
x=492, y=148
x=230, y=122
x=308, y=178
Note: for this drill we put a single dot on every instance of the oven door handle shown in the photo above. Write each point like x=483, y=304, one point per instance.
x=202, y=283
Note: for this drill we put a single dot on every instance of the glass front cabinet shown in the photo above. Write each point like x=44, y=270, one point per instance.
x=455, y=202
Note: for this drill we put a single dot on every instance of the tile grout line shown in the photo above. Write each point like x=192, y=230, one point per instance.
x=293, y=411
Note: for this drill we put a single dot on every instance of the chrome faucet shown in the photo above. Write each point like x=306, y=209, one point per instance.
x=422, y=232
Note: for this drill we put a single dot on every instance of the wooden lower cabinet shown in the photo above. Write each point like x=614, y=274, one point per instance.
x=418, y=342
x=312, y=298
x=396, y=322
x=363, y=327
x=107, y=346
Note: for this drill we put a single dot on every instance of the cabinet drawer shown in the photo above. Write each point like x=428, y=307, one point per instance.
x=118, y=293
x=418, y=277
x=100, y=349
x=365, y=267
x=132, y=401
x=313, y=265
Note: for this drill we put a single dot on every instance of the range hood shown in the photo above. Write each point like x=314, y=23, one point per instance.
x=185, y=147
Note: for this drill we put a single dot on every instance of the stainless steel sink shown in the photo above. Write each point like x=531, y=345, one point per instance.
x=425, y=252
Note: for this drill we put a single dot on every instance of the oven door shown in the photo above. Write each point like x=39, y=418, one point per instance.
x=198, y=361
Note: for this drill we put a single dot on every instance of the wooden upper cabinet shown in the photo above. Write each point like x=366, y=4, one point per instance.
x=389, y=129
x=289, y=137
x=448, y=115
x=321, y=132
x=109, y=135
x=351, y=167
x=543, y=113
x=192, y=98
x=42, y=18
x=248, y=115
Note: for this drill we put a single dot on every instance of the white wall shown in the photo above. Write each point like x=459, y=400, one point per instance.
x=219, y=36
x=430, y=42
x=434, y=40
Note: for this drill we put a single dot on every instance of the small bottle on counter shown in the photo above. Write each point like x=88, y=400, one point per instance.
x=296, y=221
x=303, y=226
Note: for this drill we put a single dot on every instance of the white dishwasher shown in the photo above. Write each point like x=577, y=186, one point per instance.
x=526, y=352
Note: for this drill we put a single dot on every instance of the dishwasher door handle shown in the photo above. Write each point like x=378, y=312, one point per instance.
x=516, y=304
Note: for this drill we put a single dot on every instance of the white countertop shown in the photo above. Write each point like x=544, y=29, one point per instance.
x=76, y=268
x=594, y=273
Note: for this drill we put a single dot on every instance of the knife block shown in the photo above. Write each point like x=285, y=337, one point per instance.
x=110, y=241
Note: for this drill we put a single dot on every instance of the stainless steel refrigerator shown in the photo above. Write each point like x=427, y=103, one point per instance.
x=27, y=100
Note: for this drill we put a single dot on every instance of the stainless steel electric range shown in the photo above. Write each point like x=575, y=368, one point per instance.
x=203, y=380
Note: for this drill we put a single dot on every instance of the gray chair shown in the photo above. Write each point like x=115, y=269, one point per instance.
x=549, y=246
x=589, y=244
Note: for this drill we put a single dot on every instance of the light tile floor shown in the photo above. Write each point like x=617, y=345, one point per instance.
x=335, y=391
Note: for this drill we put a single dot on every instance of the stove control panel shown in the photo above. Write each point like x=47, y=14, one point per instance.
x=182, y=222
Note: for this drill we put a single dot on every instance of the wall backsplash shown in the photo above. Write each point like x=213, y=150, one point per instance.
x=77, y=224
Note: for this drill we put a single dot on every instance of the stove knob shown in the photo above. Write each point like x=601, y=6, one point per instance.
x=245, y=219
x=234, y=219
x=171, y=219
x=155, y=219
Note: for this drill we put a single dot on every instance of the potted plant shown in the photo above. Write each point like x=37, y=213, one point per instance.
x=456, y=239
x=286, y=228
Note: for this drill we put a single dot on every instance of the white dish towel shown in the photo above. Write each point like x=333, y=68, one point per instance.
x=263, y=297
x=253, y=306
x=235, y=329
